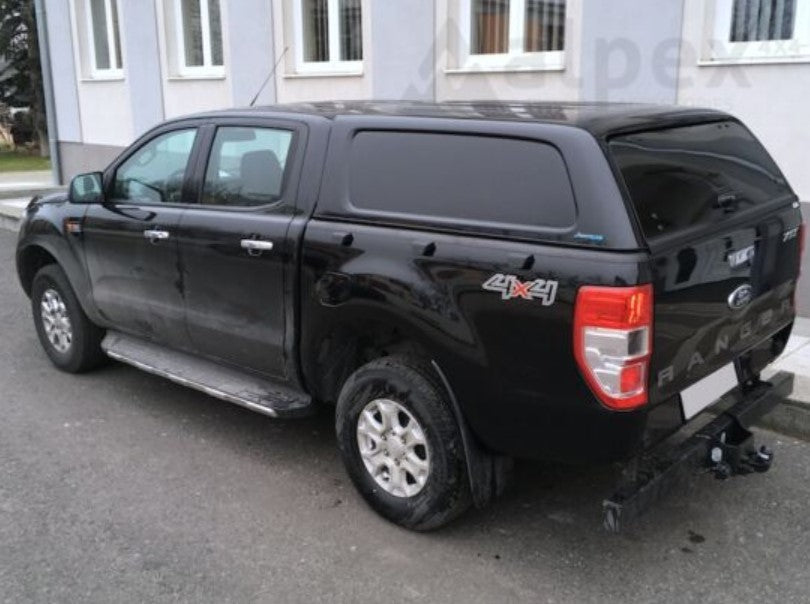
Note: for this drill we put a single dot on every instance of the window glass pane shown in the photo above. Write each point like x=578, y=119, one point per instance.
x=216, y=32
x=155, y=173
x=755, y=20
x=545, y=26
x=693, y=174
x=246, y=166
x=490, y=27
x=98, y=19
x=192, y=32
x=116, y=36
x=316, y=30
x=456, y=178
x=351, y=31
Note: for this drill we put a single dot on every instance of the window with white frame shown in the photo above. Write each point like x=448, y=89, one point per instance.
x=760, y=30
x=512, y=33
x=104, y=42
x=328, y=35
x=199, y=37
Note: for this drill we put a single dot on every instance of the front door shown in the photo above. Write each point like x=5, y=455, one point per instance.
x=234, y=247
x=130, y=241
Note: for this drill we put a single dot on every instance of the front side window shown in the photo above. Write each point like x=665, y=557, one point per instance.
x=513, y=33
x=155, y=173
x=329, y=35
x=246, y=166
x=760, y=29
x=199, y=37
x=103, y=35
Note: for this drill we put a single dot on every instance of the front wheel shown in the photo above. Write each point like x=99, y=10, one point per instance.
x=401, y=444
x=70, y=339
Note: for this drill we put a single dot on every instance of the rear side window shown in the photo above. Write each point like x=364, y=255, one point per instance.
x=460, y=179
x=692, y=175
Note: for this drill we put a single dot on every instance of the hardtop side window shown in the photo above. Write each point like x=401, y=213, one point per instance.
x=460, y=178
x=697, y=174
x=155, y=173
x=246, y=166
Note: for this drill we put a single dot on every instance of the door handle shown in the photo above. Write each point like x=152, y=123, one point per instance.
x=155, y=235
x=255, y=247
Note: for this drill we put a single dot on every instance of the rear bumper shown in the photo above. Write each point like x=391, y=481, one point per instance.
x=724, y=446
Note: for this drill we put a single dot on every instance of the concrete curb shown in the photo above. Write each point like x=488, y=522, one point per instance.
x=17, y=193
x=790, y=417
x=9, y=223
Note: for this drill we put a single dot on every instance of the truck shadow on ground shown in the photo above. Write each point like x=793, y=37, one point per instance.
x=549, y=500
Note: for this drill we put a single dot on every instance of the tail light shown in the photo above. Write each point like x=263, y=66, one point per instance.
x=613, y=342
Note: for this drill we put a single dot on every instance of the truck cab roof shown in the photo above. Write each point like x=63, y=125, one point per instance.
x=601, y=119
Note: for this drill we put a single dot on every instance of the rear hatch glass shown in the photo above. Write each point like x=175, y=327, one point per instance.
x=724, y=283
x=692, y=175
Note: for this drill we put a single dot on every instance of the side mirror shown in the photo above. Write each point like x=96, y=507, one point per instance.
x=87, y=188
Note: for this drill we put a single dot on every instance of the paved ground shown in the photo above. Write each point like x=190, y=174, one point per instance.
x=121, y=487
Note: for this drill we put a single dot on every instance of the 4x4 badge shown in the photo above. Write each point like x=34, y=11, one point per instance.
x=510, y=287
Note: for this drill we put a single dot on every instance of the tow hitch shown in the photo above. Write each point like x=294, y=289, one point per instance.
x=725, y=447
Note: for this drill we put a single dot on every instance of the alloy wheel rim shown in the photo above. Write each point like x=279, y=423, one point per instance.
x=56, y=321
x=393, y=447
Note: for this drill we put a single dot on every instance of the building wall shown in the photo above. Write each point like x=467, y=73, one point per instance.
x=454, y=82
x=630, y=50
x=623, y=50
x=771, y=98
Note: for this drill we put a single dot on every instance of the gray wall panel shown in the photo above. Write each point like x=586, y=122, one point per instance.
x=64, y=72
x=250, y=35
x=142, y=64
x=402, y=49
x=78, y=158
x=630, y=50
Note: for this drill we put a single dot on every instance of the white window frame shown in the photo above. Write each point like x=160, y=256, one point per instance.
x=334, y=64
x=207, y=69
x=112, y=72
x=720, y=49
x=516, y=59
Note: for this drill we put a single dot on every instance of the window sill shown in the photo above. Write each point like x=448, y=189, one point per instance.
x=322, y=74
x=484, y=69
x=730, y=61
x=118, y=77
x=196, y=76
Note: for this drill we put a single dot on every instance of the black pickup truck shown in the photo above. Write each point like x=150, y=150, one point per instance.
x=468, y=283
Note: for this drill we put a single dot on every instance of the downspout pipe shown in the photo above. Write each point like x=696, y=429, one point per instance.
x=47, y=89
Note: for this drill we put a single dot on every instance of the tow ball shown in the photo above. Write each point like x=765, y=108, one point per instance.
x=727, y=460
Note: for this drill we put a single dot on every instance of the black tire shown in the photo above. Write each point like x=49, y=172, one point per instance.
x=84, y=352
x=415, y=386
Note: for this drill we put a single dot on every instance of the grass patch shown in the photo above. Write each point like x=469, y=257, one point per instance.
x=13, y=161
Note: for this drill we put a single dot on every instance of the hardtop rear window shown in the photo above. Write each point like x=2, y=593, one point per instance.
x=697, y=174
x=457, y=179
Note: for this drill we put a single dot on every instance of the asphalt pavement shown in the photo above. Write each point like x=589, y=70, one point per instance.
x=118, y=486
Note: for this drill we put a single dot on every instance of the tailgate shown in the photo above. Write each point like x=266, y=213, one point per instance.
x=723, y=227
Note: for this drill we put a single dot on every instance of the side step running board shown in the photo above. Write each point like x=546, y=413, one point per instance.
x=253, y=392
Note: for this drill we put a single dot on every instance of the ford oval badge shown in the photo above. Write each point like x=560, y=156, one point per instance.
x=740, y=297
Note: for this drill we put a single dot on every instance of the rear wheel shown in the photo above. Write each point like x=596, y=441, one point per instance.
x=401, y=444
x=70, y=339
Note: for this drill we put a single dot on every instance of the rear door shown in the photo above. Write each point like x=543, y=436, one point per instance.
x=234, y=245
x=723, y=226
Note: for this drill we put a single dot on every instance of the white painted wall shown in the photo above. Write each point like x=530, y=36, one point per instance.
x=772, y=99
x=452, y=83
x=183, y=95
x=105, y=110
x=292, y=87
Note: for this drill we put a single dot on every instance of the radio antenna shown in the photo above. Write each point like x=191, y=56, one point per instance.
x=269, y=75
